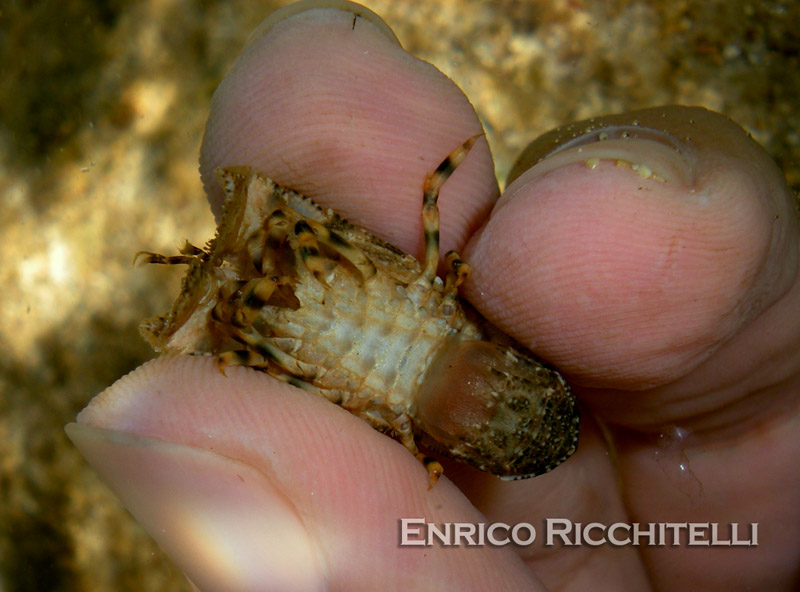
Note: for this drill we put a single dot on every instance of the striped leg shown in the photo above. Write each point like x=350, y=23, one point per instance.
x=307, y=250
x=310, y=235
x=266, y=245
x=189, y=253
x=457, y=272
x=340, y=246
x=430, y=211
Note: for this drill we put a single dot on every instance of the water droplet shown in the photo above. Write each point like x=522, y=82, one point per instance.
x=670, y=455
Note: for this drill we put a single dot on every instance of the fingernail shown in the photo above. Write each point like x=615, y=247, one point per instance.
x=650, y=152
x=221, y=520
x=304, y=6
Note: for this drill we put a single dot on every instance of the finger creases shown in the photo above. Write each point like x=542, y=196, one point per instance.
x=251, y=484
x=327, y=103
x=630, y=250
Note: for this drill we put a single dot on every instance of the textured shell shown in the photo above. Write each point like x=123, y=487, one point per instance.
x=299, y=292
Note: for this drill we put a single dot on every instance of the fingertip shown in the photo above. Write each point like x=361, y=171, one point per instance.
x=335, y=109
x=285, y=12
x=225, y=470
x=634, y=257
x=225, y=522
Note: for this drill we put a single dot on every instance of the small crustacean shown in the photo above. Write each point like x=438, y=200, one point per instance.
x=291, y=289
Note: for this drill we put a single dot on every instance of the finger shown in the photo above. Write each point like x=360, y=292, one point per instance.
x=329, y=104
x=675, y=288
x=250, y=484
x=627, y=281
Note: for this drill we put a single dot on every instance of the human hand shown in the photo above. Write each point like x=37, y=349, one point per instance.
x=670, y=305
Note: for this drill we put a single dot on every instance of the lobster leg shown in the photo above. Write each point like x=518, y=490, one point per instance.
x=402, y=427
x=457, y=272
x=148, y=257
x=307, y=249
x=430, y=211
x=340, y=246
x=189, y=253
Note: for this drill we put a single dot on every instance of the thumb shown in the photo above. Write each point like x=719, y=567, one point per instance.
x=251, y=484
x=629, y=249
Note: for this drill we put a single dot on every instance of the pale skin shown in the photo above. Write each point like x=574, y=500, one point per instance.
x=675, y=318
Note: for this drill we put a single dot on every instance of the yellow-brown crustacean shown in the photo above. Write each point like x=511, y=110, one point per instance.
x=300, y=293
